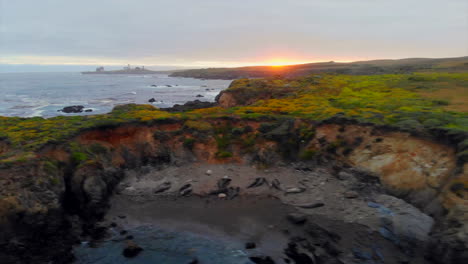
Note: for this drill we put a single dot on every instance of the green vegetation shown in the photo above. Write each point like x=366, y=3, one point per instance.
x=223, y=154
x=400, y=100
x=308, y=154
x=395, y=99
x=188, y=143
x=32, y=133
x=198, y=125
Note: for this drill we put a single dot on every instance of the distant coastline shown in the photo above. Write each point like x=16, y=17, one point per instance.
x=125, y=70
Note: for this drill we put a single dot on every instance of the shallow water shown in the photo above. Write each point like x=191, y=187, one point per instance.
x=180, y=230
x=42, y=94
x=164, y=246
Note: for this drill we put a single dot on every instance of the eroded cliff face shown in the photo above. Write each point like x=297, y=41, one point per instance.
x=76, y=179
x=407, y=165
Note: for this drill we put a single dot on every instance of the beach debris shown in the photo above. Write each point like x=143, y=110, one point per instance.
x=222, y=195
x=209, y=172
x=185, y=190
x=257, y=182
x=163, y=187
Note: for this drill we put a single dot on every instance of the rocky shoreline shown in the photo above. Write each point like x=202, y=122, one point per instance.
x=354, y=181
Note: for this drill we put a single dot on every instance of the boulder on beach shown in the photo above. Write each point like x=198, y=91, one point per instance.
x=152, y=100
x=297, y=218
x=131, y=250
x=199, y=95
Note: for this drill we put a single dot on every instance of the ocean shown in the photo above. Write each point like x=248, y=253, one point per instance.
x=42, y=94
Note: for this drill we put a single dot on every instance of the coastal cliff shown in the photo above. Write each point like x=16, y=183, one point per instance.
x=57, y=192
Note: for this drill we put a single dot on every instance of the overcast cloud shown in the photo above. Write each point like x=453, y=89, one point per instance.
x=227, y=32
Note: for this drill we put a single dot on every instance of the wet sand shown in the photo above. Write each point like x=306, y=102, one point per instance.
x=355, y=224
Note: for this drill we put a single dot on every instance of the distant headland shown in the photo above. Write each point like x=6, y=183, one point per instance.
x=125, y=70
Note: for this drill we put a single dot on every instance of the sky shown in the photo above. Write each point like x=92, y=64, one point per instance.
x=217, y=33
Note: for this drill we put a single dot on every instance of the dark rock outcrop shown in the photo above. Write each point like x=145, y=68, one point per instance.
x=191, y=105
x=72, y=109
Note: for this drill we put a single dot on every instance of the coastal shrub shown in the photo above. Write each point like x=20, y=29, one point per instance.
x=440, y=102
x=409, y=125
x=160, y=135
x=54, y=181
x=198, y=125
x=49, y=167
x=78, y=157
x=223, y=141
x=306, y=133
x=188, y=143
x=223, y=154
x=431, y=123
x=248, y=142
x=308, y=154
x=237, y=131
x=333, y=146
x=267, y=127
x=98, y=149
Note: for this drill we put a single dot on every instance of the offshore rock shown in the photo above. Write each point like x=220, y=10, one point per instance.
x=72, y=109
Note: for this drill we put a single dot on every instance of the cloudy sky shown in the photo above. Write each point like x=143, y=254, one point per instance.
x=228, y=33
